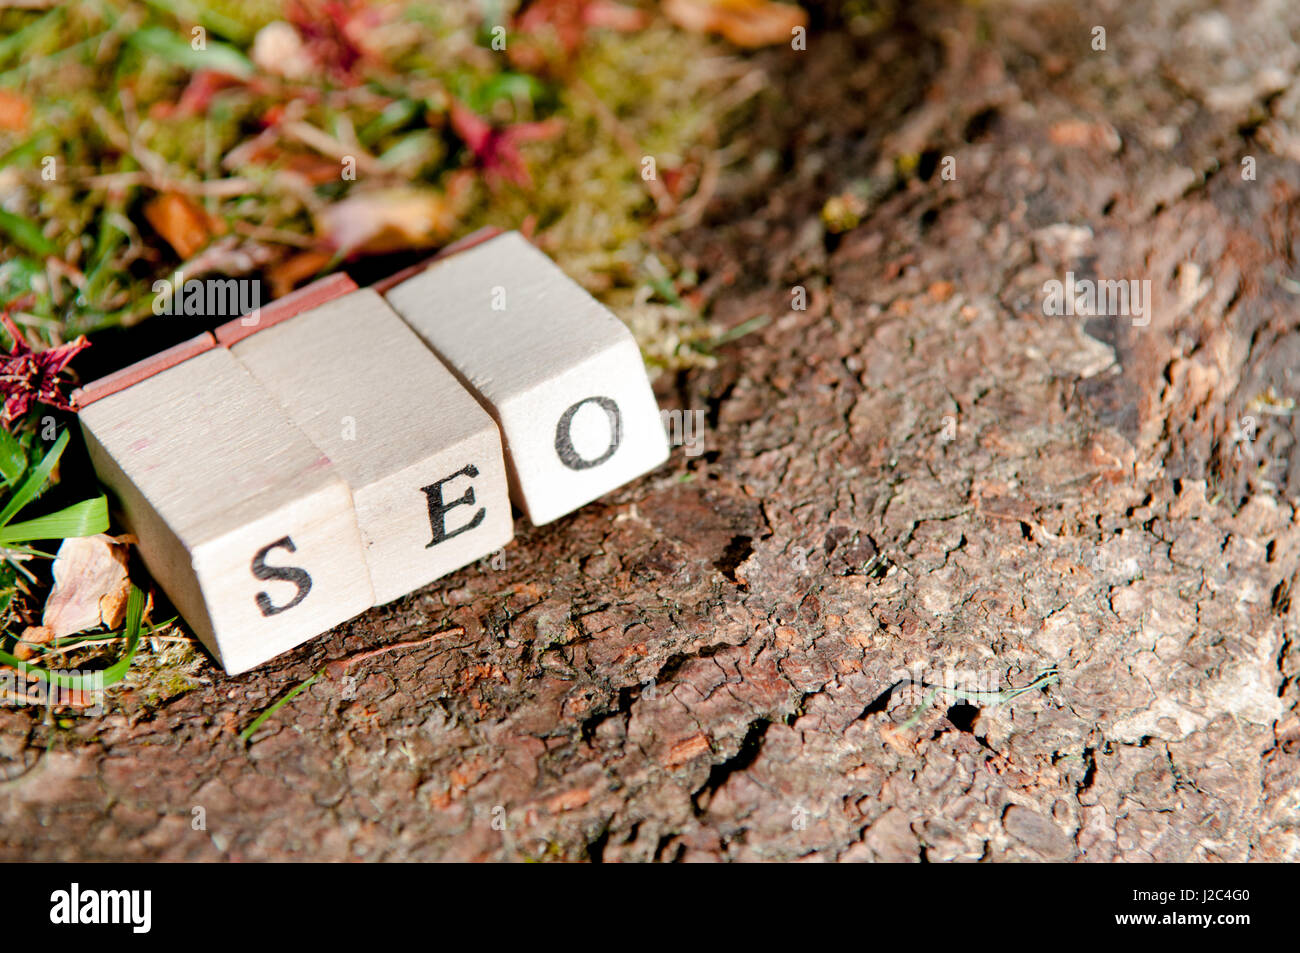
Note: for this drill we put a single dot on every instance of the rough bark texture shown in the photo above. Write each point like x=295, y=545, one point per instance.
x=922, y=471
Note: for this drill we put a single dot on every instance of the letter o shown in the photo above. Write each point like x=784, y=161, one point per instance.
x=564, y=437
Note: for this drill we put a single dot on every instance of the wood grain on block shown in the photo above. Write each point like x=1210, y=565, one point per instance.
x=154, y=364
x=282, y=309
x=422, y=458
x=562, y=375
x=242, y=521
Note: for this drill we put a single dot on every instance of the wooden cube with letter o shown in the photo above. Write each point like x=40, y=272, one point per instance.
x=562, y=375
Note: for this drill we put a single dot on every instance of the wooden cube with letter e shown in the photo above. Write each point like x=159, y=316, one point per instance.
x=421, y=457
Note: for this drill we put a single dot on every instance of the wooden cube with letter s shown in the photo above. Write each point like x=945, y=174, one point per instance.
x=562, y=376
x=241, y=520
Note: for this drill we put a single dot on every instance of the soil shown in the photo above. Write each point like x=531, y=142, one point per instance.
x=920, y=477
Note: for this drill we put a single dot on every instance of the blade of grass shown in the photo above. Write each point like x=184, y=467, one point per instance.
x=17, y=274
x=111, y=237
x=290, y=696
x=77, y=641
x=13, y=459
x=36, y=480
x=218, y=56
x=34, y=145
x=214, y=20
x=1046, y=677
x=10, y=551
x=22, y=39
x=338, y=668
x=739, y=331
x=42, y=64
x=663, y=287
x=26, y=235
x=395, y=115
x=80, y=519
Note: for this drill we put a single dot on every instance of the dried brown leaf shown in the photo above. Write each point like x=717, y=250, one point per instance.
x=14, y=111
x=287, y=274
x=748, y=23
x=90, y=586
x=32, y=635
x=185, y=226
x=387, y=220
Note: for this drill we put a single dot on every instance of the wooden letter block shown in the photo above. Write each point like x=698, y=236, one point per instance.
x=241, y=520
x=422, y=458
x=562, y=375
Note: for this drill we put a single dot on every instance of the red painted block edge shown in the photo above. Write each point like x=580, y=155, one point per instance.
x=282, y=309
x=134, y=373
x=466, y=243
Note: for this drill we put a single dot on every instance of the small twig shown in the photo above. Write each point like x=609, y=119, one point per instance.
x=331, y=146
x=13, y=698
x=1036, y=527
x=95, y=643
x=76, y=700
x=274, y=236
x=690, y=212
x=337, y=669
x=221, y=188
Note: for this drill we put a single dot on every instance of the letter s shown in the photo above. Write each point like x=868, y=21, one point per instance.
x=291, y=574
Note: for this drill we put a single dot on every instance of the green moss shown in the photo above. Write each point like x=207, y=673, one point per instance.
x=167, y=674
x=105, y=80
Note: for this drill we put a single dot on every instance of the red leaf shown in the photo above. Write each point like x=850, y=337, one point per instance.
x=571, y=18
x=28, y=376
x=496, y=148
x=329, y=29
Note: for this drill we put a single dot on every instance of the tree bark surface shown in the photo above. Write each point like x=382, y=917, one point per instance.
x=921, y=476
